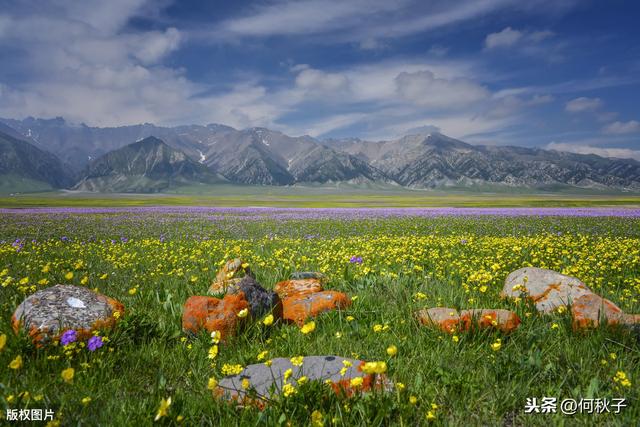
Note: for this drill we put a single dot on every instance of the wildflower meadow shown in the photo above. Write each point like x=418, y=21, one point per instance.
x=391, y=263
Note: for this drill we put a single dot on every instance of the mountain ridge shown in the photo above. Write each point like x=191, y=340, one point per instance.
x=267, y=157
x=148, y=165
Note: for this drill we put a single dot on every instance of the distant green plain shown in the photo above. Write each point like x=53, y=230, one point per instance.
x=325, y=196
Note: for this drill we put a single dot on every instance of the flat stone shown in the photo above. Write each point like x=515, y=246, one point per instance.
x=444, y=318
x=213, y=314
x=302, y=275
x=298, y=308
x=292, y=287
x=230, y=274
x=546, y=288
x=46, y=314
x=267, y=381
x=261, y=301
x=589, y=310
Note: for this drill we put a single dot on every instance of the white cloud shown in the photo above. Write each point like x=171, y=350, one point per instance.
x=426, y=90
x=369, y=22
x=505, y=38
x=304, y=17
x=620, y=153
x=320, y=82
x=510, y=37
x=78, y=62
x=632, y=126
x=583, y=104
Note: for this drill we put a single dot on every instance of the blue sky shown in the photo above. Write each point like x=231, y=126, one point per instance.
x=551, y=73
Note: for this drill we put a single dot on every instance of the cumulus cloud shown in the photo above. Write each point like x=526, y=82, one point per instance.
x=425, y=89
x=76, y=60
x=583, y=104
x=632, y=126
x=620, y=153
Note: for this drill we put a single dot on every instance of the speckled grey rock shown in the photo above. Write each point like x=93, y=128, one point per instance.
x=267, y=381
x=261, y=301
x=50, y=311
x=548, y=289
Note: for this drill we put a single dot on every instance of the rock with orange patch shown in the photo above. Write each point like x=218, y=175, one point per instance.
x=266, y=382
x=504, y=320
x=447, y=319
x=213, y=314
x=546, y=288
x=450, y=321
x=261, y=301
x=292, y=287
x=46, y=314
x=298, y=308
x=229, y=275
x=589, y=310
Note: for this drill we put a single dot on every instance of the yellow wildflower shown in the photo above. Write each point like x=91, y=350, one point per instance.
x=213, y=352
x=163, y=409
x=308, y=327
x=268, y=321
x=67, y=374
x=287, y=374
x=16, y=363
x=356, y=382
x=392, y=350
x=231, y=369
x=86, y=400
x=297, y=361
x=243, y=313
x=212, y=383
x=288, y=390
x=317, y=419
x=374, y=368
x=3, y=341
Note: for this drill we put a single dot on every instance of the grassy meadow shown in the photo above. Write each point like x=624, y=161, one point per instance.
x=152, y=261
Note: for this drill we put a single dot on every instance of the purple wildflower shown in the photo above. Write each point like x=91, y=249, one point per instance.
x=95, y=342
x=356, y=260
x=68, y=337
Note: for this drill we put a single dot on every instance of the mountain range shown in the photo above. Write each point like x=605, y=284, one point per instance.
x=149, y=158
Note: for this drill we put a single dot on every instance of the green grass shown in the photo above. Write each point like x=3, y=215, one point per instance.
x=146, y=359
x=323, y=196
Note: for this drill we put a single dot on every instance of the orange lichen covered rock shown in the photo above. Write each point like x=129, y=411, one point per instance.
x=505, y=320
x=213, y=314
x=46, y=314
x=450, y=321
x=548, y=289
x=292, y=287
x=589, y=310
x=446, y=319
x=229, y=275
x=298, y=308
